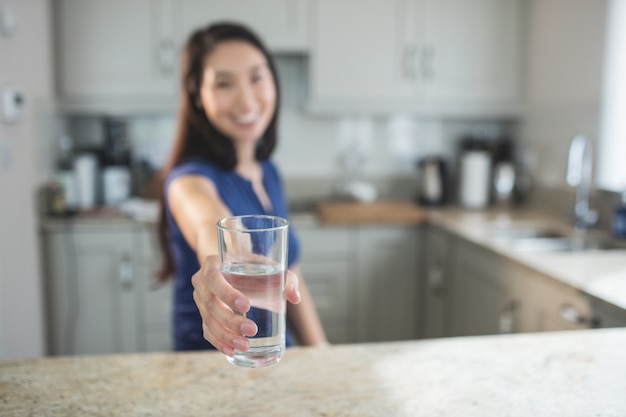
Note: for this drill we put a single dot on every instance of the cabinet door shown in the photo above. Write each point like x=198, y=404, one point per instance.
x=436, y=284
x=92, y=297
x=326, y=265
x=282, y=24
x=485, y=295
x=154, y=300
x=554, y=306
x=114, y=48
x=387, y=283
x=471, y=51
x=359, y=51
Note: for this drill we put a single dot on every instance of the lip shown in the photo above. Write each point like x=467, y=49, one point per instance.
x=247, y=119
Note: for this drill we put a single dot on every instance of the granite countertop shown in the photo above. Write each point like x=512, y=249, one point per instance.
x=574, y=373
x=601, y=274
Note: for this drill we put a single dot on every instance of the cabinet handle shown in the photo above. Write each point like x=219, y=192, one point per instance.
x=166, y=57
x=410, y=63
x=126, y=273
x=427, y=69
x=506, y=322
x=568, y=313
x=435, y=281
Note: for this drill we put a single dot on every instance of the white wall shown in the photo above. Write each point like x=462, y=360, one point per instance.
x=25, y=64
x=564, y=81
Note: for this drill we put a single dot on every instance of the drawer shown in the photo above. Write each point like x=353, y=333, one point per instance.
x=325, y=240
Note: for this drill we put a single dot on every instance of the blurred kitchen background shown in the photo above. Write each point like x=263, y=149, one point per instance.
x=393, y=96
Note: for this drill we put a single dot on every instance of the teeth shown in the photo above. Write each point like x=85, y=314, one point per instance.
x=246, y=118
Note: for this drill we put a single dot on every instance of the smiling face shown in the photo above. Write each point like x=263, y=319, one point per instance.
x=238, y=92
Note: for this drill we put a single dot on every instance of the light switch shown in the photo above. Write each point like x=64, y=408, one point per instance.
x=11, y=103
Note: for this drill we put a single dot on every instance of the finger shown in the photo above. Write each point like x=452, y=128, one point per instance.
x=217, y=310
x=292, y=288
x=209, y=280
x=224, y=336
x=218, y=344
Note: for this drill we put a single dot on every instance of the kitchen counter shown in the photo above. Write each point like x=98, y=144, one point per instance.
x=575, y=373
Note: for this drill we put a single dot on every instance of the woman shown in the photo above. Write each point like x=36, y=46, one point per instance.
x=219, y=166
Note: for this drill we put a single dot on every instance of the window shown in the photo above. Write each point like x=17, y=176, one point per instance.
x=612, y=146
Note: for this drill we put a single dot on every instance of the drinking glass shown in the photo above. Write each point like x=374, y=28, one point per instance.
x=253, y=255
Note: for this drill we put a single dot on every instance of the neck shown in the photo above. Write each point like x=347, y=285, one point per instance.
x=247, y=165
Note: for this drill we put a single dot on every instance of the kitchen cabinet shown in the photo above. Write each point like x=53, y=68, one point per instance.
x=91, y=288
x=107, y=50
x=387, y=260
x=554, y=306
x=119, y=56
x=327, y=267
x=427, y=56
x=486, y=296
x=282, y=24
x=155, y=299
x=437, y=283
x=101, y=296
x=469, y=289
x=363, y=280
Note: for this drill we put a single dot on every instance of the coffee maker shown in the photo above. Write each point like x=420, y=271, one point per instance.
x=116, y=175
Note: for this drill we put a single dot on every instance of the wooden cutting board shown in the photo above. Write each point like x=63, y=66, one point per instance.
x=379, y=212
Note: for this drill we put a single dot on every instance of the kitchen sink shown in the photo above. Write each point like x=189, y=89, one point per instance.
x=562, y=244
x=526, y=233
x=545, y=239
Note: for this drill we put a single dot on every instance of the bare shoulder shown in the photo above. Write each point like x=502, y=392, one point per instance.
x=191, y=184
x=196, y=206
x=192, y=192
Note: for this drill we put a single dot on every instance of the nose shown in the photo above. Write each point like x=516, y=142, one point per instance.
x=246, y=98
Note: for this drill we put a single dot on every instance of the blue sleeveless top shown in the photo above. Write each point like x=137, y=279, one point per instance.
x=237, y=193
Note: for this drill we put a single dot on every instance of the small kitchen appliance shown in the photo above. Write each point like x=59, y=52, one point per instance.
x=432, y=181
x=475, y=173
x=116, y=172
x=86, y=168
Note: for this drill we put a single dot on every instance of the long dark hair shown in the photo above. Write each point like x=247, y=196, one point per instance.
x=196, y=137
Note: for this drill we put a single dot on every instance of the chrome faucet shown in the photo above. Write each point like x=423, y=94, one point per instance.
x=579, y=169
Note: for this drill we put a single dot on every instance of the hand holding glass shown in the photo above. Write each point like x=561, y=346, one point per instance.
x=253, y=256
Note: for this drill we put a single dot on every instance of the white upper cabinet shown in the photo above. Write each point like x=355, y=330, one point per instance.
x=359, y=50
x=108, y=49
x=472, y=50
x=123, y=56
x=282, y=24
x=426, y=56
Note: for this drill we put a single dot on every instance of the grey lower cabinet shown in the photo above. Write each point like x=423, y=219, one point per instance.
x=155, y=299
x=486, y=297
x=100, y=294
x=551, y=305
x=437, y=279
x=468, y=289
x=387, y=260
x=326, y=265
x=363, y=280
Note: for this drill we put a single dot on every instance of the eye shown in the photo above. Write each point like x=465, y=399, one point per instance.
x=223, y=84
x=257, y=78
